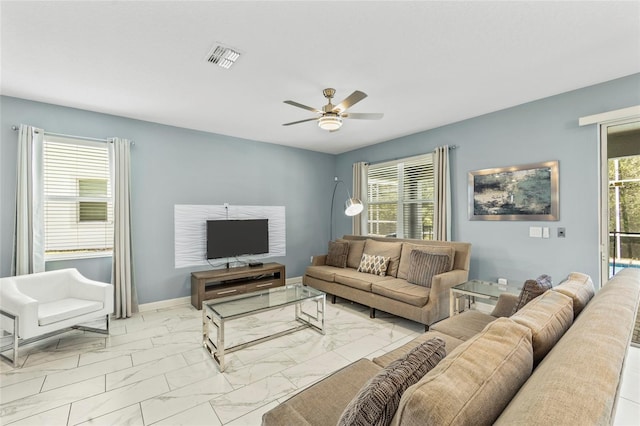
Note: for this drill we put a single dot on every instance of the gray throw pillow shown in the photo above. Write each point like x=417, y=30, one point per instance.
x=531, y=290
x=379, y=398
x=337, y=254
x=423, y=266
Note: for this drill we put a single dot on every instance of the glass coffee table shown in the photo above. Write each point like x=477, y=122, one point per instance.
x=478, y=289
x=217, y=313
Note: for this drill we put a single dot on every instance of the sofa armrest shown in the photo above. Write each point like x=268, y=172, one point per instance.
x=439, y=295
x=319, y=260
x=441, y=283
x=17, y=303
x=504, y=306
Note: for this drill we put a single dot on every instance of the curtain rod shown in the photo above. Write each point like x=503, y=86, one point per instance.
x=60, y=135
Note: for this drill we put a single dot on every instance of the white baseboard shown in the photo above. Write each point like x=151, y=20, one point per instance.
x=164, y=304
x=180, y=301
x=293, y=280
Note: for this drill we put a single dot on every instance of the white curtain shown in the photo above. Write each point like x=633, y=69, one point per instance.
x=28, y=253
x=122, y=276
x=358, y=222
x=442, y=196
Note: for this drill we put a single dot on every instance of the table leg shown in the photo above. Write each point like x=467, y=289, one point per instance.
x=452, y=311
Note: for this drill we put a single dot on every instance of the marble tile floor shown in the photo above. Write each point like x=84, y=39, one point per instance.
x=152, y=369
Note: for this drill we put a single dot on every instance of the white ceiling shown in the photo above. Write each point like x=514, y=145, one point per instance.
x=423, y=64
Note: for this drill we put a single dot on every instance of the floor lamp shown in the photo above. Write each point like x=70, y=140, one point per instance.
x=352, y=206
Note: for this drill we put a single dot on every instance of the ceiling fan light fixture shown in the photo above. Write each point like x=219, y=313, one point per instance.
x=330, y=122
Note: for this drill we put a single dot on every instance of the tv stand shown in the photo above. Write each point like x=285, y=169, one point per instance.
x=216, y=283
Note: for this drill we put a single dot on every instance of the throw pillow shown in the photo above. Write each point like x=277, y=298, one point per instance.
x=390, y=249
x=337, y=254
x=356, y=248
x=423, y=266
x=531, y=290
x=407, y=248
x=378, y=400
x=372, y=264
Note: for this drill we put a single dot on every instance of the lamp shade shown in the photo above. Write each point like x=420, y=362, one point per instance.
x=353, y=206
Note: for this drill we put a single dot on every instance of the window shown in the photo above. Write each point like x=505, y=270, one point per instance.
x=400, y=198
x=78, y=207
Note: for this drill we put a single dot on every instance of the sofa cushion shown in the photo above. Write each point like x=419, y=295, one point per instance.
x=386, y=249
x=323, y=402
x=407, y=248
x=450, y=344
x=578, y=287
x=423, y=266
x=63, y=309
x=532, y=289
x=337, y=253
x=356, y=248
x=465, y=325
x=359, y=280
x=401, y=290
x=549, y=317
x=474, y=383
x=322, y=272
x=378, y=400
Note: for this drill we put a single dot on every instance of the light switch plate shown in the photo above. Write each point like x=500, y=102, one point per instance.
x=535, y=231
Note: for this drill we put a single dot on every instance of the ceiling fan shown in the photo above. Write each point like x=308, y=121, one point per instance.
x=330, y=116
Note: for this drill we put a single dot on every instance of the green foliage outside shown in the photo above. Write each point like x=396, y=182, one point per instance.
x=624, y=206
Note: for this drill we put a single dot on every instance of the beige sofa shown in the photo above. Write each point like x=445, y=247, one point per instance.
x=392, y=293
x=557, y=361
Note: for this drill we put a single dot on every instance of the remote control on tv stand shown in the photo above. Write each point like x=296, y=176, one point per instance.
x=255, y=264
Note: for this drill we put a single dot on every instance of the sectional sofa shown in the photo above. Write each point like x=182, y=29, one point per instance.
x=556, y=361
x=393, y=292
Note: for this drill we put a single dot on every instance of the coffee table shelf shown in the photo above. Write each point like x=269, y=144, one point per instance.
x=218, y=312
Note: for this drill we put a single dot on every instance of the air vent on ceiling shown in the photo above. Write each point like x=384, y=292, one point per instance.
x=223, y=56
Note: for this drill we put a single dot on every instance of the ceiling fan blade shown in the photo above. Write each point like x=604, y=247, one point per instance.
x=364, y=115
x=296, y=104
x=301, y=121
x=350, y=100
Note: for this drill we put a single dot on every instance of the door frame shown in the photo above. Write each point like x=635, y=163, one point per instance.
x=604, y=121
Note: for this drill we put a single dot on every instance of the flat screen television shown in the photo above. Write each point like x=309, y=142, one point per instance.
x=230, y=238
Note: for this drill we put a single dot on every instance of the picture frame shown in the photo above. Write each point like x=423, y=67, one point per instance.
x=525, y=192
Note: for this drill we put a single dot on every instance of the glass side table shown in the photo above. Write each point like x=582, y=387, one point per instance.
x=478, y=289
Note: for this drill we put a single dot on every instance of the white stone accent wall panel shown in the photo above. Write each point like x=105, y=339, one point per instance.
x=190, y=230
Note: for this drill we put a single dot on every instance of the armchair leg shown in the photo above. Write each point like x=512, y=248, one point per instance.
x=94, y=329
x=16, y=341
x=16, y=321
x=372, y=312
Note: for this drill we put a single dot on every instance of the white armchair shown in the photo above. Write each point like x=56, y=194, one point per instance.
x=38, y=305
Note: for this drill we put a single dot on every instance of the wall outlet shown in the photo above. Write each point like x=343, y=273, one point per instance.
x=311, y=259
x=502, y=281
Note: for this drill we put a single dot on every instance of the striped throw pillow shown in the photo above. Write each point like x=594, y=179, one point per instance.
x=379, y=398
x=423, y=266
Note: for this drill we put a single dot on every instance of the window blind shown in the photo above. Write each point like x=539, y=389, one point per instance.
x=77, y=191
x=400, y=198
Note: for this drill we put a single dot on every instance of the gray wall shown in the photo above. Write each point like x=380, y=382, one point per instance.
x=538, y=131
x=178, y=166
